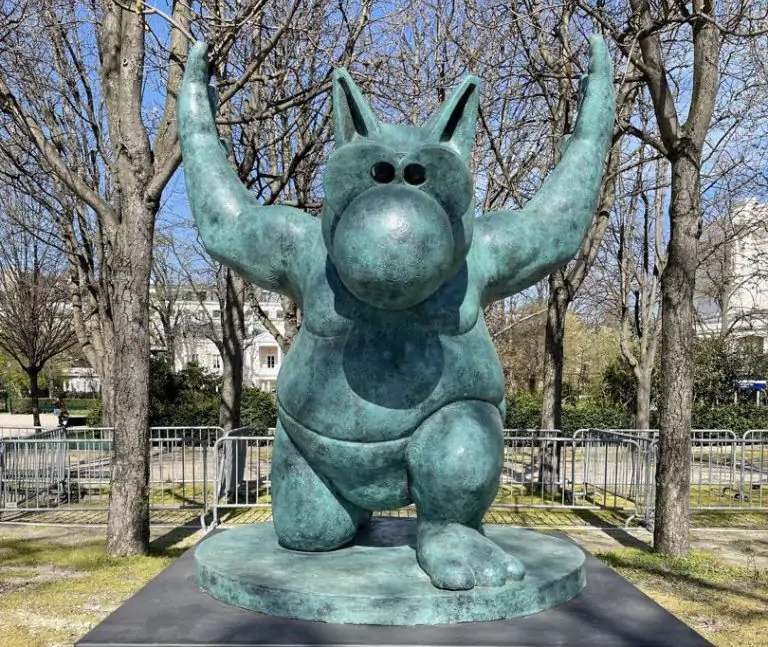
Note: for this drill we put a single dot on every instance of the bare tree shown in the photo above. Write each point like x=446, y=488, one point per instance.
x=640, y=256
x=35, y=315
x=678, y=51
x=167, y=312
x=88, y=95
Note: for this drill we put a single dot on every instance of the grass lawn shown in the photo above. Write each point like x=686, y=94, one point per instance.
x=52, y=592
x=727, y=604
x=56, y=583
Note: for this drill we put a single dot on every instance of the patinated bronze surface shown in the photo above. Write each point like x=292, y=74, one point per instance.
x=392, y=392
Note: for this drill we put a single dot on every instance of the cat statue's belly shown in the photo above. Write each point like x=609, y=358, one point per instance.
x=351, y=401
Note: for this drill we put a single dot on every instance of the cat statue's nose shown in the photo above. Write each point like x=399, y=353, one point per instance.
x=393, y=246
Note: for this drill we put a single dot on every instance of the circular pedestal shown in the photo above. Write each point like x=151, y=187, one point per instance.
x=377, y=580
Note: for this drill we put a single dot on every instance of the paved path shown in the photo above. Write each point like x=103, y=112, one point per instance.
x=18, y=420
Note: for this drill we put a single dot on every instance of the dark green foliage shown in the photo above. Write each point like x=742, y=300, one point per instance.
x=736, y=417
x=188, y=398
x=524, y=412
x=259, y=409
x=619, y=385
x=94, y=414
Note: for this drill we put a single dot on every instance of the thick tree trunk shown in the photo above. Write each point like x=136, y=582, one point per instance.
x=552, y=405
x=677, y=336
x=106, y=370
x=33, y=372
x=232, y=350
x=557, y=306
x=128, y=521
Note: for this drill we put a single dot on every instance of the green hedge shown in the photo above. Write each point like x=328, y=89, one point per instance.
x=24, y=405
x=736, y=417
x=193, y=409
x=524, y=412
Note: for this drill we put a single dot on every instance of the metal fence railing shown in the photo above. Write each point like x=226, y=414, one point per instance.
x=72, y=468
x=209, y=470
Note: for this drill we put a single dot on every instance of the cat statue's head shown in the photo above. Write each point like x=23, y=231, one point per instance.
x=399, y=201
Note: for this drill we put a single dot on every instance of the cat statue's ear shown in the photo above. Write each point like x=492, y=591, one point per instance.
x=352, y=116
x=456, y=120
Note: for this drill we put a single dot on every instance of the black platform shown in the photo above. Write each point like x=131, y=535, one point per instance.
x=171, y=611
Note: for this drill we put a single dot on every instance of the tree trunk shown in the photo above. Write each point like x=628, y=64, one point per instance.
x=643, y=399
x=128, y=521
x=677, y=336
x=170, y=351
x=557, y=306
x=33, y=372
x=552, y=405
x=232, y=350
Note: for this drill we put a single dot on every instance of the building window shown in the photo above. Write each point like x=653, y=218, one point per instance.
x=216, y=362
x=271, y=361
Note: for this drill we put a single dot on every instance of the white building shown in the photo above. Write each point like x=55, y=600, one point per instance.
x=197, y=314
x=732, y=278
x=81, y=380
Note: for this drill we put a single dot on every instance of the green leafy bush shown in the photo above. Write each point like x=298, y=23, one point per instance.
x=524, y=412
x=736, y=417
x=259, y=409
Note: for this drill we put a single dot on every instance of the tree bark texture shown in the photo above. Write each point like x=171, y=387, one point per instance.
x=291, y=322
x=232, y=350
x=557, y=307
x=128, y=520
x=677, y=336
x=552, y=404
x=643, y=400
x=33, y=372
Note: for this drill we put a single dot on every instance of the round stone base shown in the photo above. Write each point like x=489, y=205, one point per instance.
x=376, y=580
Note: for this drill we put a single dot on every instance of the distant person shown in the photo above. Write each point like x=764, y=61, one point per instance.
x=57, y=408
x=63, y=414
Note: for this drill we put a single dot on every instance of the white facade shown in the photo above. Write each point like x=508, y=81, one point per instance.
x=200, y=312
x=732, y=280
x=81, y=380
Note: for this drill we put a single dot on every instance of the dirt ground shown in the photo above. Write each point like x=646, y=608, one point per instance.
x=748, y=548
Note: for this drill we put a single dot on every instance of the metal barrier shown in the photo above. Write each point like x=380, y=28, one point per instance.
x=181, y=473
x=247, y=483
x=32, y=472
x=727, y=474
x=207, y=469
x=651, y=434
x=79, y=460
x=15, y=433
x=579, y=473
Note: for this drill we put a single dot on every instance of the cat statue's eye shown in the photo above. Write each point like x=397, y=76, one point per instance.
x=383, y=172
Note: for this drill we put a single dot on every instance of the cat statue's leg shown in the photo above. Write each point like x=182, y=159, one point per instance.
x=454, y=462
x=307, y=513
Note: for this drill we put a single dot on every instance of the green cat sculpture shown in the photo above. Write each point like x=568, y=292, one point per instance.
x=392, y=392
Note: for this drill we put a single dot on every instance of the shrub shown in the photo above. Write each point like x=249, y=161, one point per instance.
x=259, y=409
